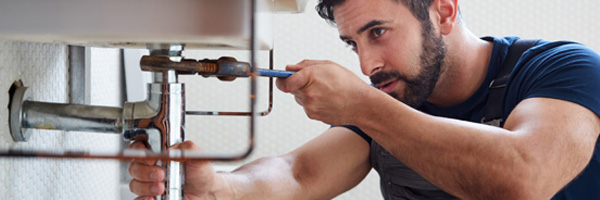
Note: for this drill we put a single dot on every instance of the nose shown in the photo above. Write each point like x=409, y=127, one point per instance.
x=370, y=61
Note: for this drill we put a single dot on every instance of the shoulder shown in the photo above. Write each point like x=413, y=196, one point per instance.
x=557, y=59
x=560, y=52
x=562, y=70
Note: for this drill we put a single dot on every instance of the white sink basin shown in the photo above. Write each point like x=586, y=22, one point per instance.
x=200, y=24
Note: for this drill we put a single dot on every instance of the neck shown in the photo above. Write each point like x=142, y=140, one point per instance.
x=464, y=68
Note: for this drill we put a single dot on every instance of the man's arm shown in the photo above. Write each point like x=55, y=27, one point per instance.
x=545, y=144
x=323, y=168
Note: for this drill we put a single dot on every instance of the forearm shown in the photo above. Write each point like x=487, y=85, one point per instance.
x=467, y=159
x=484, y=165
x=266, y=178
x=328, y=165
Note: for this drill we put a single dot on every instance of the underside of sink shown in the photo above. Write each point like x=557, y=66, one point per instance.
x=199, y=24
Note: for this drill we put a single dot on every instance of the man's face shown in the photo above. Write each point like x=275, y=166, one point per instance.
x=401, y=55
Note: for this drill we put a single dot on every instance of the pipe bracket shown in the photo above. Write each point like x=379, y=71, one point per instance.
x=18, y=97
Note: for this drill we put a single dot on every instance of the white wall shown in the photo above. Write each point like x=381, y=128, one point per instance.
x=43, y=68
x=550, y=20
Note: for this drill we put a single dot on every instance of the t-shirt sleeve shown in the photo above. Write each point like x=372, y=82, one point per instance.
x=561, y=70
x=357, y=131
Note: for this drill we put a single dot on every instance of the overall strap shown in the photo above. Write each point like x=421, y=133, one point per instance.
x=493, y=106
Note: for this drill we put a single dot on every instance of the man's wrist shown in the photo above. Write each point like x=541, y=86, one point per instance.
x=363, y=108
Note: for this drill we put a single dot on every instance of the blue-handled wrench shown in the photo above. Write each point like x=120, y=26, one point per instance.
x=274, y=73
x=226, y=68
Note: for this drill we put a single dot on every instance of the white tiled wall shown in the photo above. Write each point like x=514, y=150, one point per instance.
x=43, y=68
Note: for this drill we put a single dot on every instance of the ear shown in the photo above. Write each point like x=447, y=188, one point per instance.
x=447, y=12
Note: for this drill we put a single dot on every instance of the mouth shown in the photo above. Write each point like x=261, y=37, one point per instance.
x=388, y=86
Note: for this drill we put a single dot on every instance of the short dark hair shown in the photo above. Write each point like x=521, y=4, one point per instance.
x=419, y=8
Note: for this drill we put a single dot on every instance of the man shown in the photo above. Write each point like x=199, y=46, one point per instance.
x=420, y=120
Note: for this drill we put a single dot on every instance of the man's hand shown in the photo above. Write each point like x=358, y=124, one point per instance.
x=328, y=92
x=148, y=178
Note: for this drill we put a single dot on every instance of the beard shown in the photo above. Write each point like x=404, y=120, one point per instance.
x=418, y=89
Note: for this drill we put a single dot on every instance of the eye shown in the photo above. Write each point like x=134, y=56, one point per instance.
x=377, y=32
x=351, y=44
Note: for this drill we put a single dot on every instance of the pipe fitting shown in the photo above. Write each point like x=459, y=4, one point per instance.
x=19, y=95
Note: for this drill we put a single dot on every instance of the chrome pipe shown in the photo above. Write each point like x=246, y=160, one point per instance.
x=159, y=121
x=172, y=118
x=72, y=117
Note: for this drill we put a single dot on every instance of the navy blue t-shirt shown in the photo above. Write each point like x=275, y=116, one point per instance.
x=561, y=70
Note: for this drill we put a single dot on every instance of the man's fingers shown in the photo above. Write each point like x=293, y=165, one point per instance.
x=145, y=198
x=299, y=100
x=141, y=146
x=189, y=164
x=280, y=84
x=146, y=173
x=290, y=84
x=137, y=145
x=185, y=145
x=299, y=79
x=148, y=189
